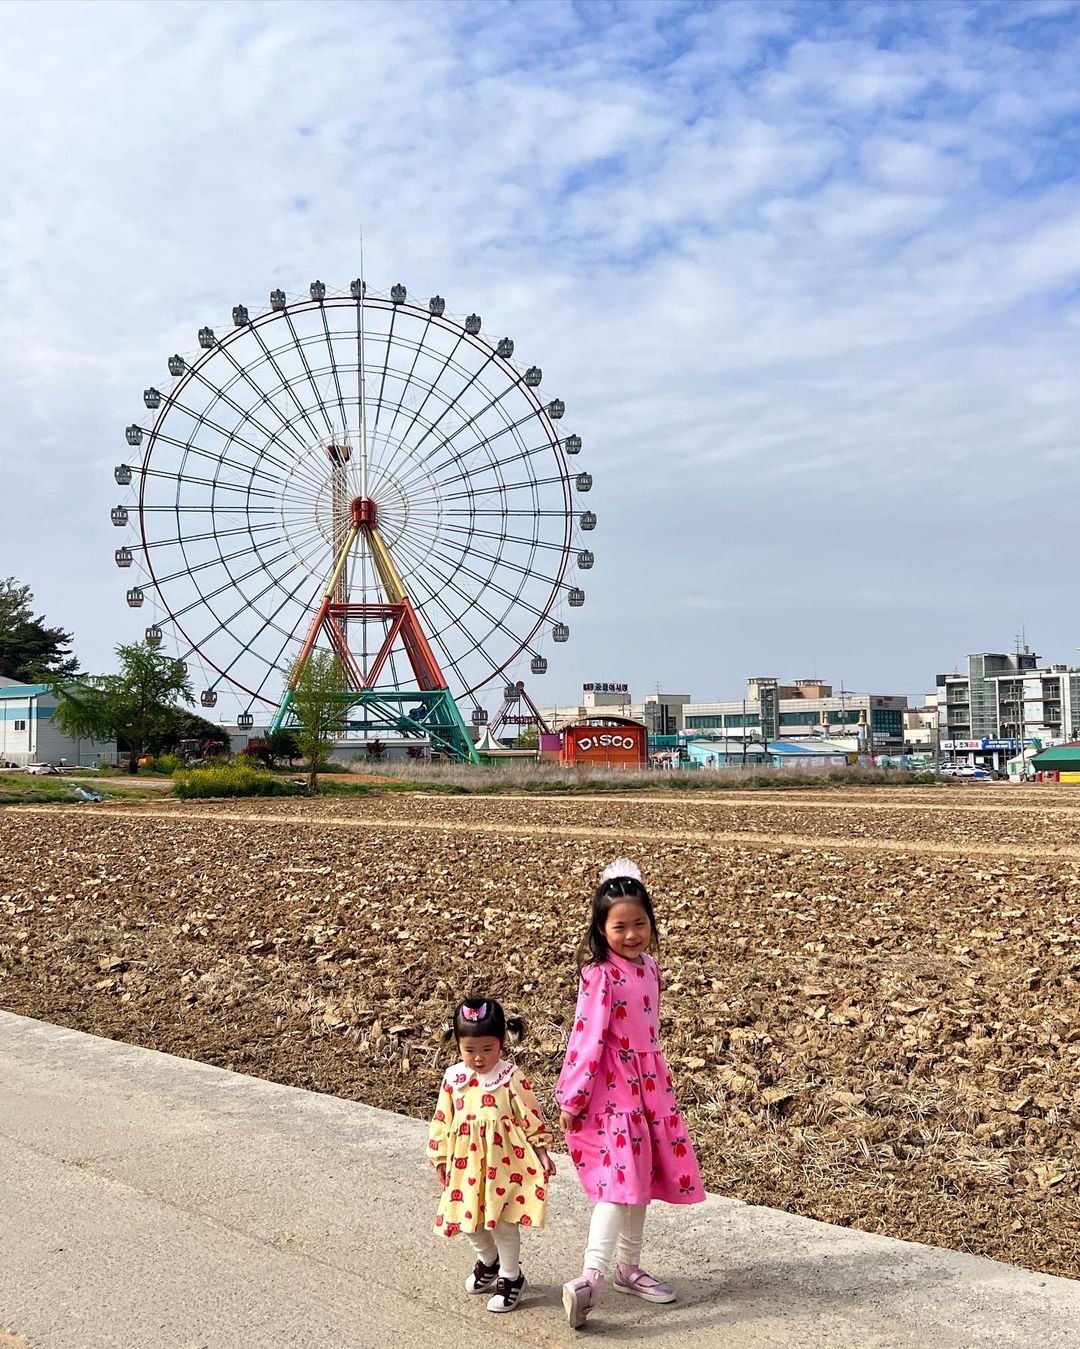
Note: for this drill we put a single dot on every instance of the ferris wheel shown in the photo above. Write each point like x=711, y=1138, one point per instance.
x=364, y=474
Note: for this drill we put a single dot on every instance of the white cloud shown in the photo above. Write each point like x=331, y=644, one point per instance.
x=771, y=261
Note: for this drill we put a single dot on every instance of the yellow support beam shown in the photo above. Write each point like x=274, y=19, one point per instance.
x=392, y=585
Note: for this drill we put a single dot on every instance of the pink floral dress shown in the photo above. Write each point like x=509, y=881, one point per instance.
x=628, y=1143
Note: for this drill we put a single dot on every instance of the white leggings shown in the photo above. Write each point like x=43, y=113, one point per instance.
x=502, y=1242
x=615, y=1230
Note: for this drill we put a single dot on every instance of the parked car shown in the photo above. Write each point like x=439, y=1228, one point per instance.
x=962, y=770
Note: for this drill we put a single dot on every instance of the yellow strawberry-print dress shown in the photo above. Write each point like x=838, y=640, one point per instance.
x=485, y=1132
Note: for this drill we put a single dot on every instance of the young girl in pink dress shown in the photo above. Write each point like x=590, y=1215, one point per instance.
x=625, y=1134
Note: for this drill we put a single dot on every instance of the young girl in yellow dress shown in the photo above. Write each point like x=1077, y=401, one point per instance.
x=489, y=1144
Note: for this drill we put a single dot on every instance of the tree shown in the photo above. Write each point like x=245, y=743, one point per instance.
x=180, y=724
x=272, y=747
x=30, y=652
x=281, y=744
x=528, y=737
x=319, y=705
x=136, y=705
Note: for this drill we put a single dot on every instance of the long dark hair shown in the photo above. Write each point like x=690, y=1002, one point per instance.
x=488, y=1019
x=593, y=948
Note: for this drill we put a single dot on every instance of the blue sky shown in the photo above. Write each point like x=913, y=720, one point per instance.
x=806, y=276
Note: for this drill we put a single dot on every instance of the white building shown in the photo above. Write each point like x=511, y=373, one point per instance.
x=798, y=711
x=1003, y=701
x=801, y=710
x=28, y=733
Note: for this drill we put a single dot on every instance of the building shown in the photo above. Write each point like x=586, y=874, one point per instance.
x=803, y=709
x=1004, y=701
x=28, y=733
x=806, y=708
x=921, y=727
x=662, y=713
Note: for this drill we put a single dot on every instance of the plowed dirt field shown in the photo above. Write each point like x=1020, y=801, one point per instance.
x=870, y=997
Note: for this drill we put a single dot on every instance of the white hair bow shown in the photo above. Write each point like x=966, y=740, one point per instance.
x=621, y=867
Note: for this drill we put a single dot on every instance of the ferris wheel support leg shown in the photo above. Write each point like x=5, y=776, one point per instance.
x=282, y=711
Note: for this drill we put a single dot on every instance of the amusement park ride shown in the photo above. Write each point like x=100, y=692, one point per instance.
x=362, y=475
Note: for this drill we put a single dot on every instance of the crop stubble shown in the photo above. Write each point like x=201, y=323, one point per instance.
x=870, y=1005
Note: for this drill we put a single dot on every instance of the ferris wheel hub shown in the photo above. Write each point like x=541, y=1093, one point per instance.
x=364, y=512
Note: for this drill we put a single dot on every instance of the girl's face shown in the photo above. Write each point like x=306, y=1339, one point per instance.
x=627, y=928
x=479, y=1053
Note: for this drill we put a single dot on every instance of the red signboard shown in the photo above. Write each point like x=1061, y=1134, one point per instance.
x=620, y=746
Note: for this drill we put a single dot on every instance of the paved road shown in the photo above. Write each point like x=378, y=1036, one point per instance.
x=147, y=1202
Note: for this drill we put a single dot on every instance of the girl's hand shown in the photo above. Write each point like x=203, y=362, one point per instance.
x=566, y=1122
x=441, y=1169
x=545, y=1161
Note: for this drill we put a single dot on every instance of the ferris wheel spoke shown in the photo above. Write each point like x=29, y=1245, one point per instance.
x=334, y=369
x=458, y=456
x=514, y=597
x=432, y=385
x=218, y=456
x=513, y=512
x=233, y=583
x=410, y=378
x=501, y=489
x=510, y=538
x=245, y=414
x=192, y=568
x=218, y=484
x=450, y=404
x=388, y=347
x=471, y=421
x=223, y=625
x=301, y=560
x=284, y=382
x=321, y=406
x=303, y=616
x=520, y=456
x=203, y=538
x=448, y=582
x=456, y=623
x=520, y=568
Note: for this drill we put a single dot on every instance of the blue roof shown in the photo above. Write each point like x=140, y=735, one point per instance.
x=22, y=690
x=788, y=747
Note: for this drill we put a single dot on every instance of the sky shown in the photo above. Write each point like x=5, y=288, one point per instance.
x=807, y=277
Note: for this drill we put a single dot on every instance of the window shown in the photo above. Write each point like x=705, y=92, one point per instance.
x=20, y=725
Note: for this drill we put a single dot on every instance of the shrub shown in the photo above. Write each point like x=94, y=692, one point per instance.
x=168, y=763
x=231, y=779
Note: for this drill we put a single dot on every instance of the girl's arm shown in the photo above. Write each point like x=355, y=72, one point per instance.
x=531, y=1118
x=583, y=1049
x=440, y=1131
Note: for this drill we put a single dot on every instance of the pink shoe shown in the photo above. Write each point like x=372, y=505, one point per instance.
x=579, y=1297
x=639, y=1284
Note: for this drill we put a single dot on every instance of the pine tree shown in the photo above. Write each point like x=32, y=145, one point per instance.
x=30, y=652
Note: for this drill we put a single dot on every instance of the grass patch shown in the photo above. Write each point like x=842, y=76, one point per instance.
x=28, y=789
x=556, y=780
x=231, y=779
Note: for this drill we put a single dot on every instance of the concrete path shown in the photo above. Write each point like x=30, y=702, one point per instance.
x=147, y=1202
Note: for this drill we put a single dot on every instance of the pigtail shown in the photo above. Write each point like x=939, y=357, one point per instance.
x=480, y=1016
